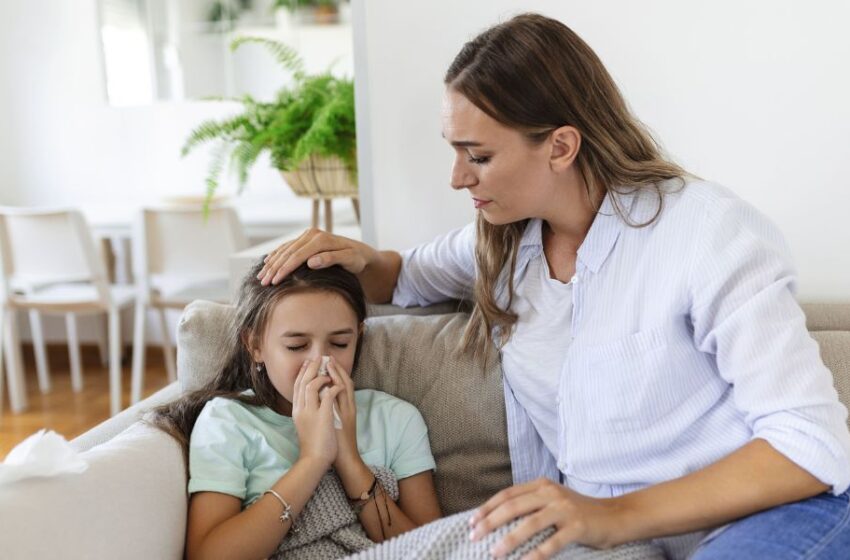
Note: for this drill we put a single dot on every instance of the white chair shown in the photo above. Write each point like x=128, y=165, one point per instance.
x=179, y=255
x=49, y=264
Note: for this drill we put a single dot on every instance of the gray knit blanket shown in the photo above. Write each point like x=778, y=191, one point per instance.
x=448, y=539
x=328, y=528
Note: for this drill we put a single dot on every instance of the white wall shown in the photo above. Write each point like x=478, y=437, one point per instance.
x=751, y=94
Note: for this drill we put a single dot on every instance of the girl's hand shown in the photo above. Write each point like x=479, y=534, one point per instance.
x=346, y=437
x=576, y=518
x=319, y=249
x=313, y=415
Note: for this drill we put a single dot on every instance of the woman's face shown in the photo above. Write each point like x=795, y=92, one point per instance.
x=508, y=178
x=304, y=326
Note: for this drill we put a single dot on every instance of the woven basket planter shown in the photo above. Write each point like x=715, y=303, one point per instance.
x=321, y=178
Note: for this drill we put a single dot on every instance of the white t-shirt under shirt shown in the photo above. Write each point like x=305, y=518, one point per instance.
x=243, y=450
x=534, y=356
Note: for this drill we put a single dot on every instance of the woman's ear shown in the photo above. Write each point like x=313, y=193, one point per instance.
x=566, y=142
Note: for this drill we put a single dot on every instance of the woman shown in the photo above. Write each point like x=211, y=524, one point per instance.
x=659, y=378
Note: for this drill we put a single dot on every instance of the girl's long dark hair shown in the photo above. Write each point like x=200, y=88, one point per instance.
x=253, y=310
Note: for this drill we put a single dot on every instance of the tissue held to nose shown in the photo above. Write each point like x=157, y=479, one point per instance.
x=323, y=370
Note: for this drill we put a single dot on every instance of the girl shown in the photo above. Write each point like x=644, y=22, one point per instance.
x=658, y=375
x=262, y=432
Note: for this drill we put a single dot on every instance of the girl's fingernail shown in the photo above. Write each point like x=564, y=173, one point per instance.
x=472, y=535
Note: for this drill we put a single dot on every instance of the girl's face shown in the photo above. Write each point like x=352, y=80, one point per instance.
x=508, y=178
x=304, y=326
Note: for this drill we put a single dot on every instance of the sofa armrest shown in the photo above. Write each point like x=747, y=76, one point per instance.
x=130, y=503
x=110, y=428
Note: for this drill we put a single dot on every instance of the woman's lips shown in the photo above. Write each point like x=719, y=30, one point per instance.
x=480, y=203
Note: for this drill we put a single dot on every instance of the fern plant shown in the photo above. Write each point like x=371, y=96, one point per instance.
x=313, y=116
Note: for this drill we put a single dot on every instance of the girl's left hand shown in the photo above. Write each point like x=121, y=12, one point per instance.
x=576, y=518
x=346, y=437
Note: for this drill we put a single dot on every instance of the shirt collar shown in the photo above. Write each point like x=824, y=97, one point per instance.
x=603, y=234
x=597, y=245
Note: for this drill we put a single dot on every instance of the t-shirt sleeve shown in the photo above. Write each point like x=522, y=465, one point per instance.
x=217, y=451
x=412, y=453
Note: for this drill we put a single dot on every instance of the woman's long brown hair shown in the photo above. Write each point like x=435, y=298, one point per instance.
x=534, y=74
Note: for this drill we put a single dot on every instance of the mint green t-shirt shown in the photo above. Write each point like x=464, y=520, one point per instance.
x=243, y=450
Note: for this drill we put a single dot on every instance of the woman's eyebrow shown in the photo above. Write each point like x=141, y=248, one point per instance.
x=463, y=143
x=293, y=334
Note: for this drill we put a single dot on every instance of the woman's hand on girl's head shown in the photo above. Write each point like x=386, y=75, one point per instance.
x=319, y=249
x=313, y=415
x=577, y=519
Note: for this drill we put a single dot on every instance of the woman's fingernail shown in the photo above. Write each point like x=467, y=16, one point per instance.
x=472, y=535
x=316, y=262
x=497, y=551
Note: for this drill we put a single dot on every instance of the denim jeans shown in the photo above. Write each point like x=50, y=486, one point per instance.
x=818, y=527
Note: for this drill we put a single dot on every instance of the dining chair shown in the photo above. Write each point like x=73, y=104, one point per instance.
x=180, y=254
x=49, y=265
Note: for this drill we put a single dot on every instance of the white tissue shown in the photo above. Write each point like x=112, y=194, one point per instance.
x=323, y=370
x=43, y=454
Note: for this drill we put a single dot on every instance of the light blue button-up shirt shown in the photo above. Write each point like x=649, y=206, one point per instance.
x=687, y=343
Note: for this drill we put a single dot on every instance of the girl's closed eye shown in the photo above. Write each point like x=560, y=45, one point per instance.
x=304, y=346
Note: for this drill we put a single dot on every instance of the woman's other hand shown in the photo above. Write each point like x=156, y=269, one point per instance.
x=313, y=415
x=319, y=249
x=576, y=518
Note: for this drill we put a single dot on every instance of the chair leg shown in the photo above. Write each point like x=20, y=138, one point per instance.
x=2, y=344
x=167, y=349
x=138, y=352
x=102, y=338
x=114, y=361
x=74, y=352
x=14, y=362
x=41, y=364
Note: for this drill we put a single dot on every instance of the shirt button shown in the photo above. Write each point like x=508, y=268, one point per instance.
x=562, y=466
x=574, y=279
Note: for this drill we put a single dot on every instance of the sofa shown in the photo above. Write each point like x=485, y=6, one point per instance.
x=131, y=502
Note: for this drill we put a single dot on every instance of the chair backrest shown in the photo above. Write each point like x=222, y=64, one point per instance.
x=180, y=242
x=46, y=246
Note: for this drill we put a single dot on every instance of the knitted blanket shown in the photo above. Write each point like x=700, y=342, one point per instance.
x=327, y=526
x=448, y=539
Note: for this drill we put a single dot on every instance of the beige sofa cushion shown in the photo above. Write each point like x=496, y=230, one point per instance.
x=410, y=357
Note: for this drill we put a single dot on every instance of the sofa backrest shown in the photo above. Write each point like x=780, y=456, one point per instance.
x=461, y=400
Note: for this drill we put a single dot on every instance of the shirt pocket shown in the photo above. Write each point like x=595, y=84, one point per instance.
x=633, y=382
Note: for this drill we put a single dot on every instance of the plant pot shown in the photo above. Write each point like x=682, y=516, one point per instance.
x=317, y=15
x=323, y=179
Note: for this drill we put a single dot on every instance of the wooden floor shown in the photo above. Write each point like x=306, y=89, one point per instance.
x=64, y=411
